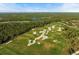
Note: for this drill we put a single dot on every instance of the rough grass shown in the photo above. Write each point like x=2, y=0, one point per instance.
x=47, y=47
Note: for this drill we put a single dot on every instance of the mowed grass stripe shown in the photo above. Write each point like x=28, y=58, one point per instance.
x=6, y=51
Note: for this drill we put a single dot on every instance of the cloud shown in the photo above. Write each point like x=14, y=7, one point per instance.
x=6, y=7
x=13, y=7
x=51, y=7
x=69, y=7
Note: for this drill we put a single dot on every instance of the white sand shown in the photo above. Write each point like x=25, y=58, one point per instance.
x=38, y=42
x=54, y=40
x=47, y=32
x=34, y=33
x=30, y=40
x=33, y=29
x=59, y=29
x=29, y=43
x=34, y=41
x=53, y=26
x=9, y=42
x=49, y=28
x=77, y=52
x=42, y=36
x=40, y=31
x=45, y=37
x=44, y=30
x=37, y=38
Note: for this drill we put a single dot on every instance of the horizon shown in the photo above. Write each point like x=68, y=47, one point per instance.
x=38, y=7
x=39, y=12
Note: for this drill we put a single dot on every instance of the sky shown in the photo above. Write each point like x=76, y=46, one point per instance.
x=39, y=7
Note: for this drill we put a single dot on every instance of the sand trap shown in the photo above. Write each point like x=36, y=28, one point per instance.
x=43, y=33
x=8, y=42
x=54, y=40
x=28, y=44
x=34, y=33
x=77, y=52
x=40, y=31
x=33, y=29
x=53, y=26
x=42, y=36
x=47, y=32
x=59, y=29
x=44, y=30
x=34, y=41
x=38, y=42
x=31, y=43
x=49, y=28
x=45, y=37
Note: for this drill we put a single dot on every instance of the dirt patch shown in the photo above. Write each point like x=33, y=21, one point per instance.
x=48, y=45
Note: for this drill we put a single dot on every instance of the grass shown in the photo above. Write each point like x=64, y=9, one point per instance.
x=47, y=47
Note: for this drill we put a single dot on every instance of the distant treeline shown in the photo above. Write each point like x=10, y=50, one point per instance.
x=36, y=16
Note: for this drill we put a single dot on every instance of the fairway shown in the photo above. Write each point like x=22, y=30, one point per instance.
x=43, y=35
x=56, y=43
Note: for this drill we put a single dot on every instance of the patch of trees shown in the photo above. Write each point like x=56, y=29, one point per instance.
x=11, y=29
x=71, y=35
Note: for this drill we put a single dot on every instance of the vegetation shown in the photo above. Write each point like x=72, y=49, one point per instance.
x=17, y=27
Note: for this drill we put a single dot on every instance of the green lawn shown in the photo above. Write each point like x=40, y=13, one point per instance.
x=46, y=47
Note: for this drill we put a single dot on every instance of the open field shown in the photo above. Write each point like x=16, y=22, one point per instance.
x=39, y=34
